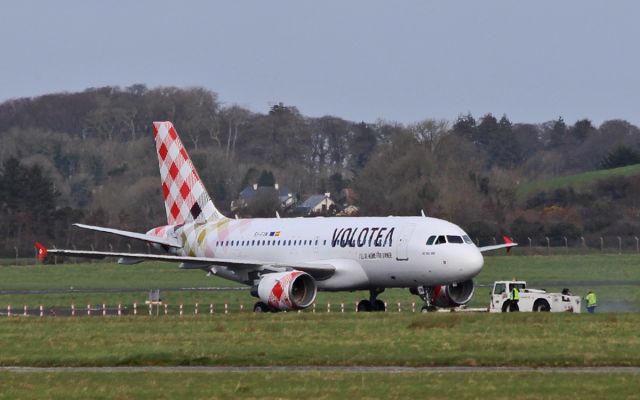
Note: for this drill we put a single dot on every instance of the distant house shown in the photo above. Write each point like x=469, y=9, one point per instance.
x=317, y=204
x=285, y=197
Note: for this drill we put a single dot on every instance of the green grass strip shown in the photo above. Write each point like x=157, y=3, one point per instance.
x=325, y=339
x=325, y=385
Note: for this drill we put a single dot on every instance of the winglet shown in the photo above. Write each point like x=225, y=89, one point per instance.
x=507, y=240
x=42, y=251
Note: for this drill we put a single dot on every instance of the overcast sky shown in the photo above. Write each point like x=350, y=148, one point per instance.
x=360, y=60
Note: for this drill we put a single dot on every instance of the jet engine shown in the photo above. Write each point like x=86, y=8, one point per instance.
x=284, y=291
x=453, y=294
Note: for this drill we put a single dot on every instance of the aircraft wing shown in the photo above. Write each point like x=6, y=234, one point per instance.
x=508, y=244
x=133, y=235
x=317, y=270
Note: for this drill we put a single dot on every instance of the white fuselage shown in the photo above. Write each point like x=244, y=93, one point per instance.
x=367, y=252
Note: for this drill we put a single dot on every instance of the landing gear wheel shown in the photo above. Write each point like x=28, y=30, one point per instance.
x=379, y=305
x=364, y=306
x=506, y=306
x=261, y=307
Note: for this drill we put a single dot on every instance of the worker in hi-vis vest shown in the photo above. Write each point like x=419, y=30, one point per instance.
x=515, y=298
x=592, y=302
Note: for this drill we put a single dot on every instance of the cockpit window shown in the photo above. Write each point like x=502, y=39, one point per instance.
x=441, y=240
x=467, y=240
x=431, y=240
x=454, y=239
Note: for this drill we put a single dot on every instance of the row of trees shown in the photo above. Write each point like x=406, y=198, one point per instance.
x=96, y=151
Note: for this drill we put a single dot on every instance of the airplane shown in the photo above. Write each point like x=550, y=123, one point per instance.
x=286, y=261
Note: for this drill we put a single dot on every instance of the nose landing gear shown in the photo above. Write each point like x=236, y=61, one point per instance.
x=426, y=294
x=373, y=304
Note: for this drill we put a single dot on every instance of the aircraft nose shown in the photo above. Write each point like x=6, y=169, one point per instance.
x=474, y=262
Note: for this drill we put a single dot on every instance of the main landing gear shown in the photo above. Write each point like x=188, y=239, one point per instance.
x=426, y=294
x=261, y=307
x=373, y=304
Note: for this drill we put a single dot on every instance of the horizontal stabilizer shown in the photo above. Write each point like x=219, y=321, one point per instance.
x=133, y=235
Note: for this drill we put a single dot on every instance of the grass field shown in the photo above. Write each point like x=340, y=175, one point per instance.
x=615, y=278
x=577, y=182
x=292, y=339
x=325, y=339
x=323, y=385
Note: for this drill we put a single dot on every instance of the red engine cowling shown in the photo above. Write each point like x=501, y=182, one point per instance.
x=286, y=291
x=452, y=295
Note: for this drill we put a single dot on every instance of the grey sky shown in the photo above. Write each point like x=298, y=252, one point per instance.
x=360, y=60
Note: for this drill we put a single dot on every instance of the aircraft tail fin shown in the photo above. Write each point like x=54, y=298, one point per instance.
x=185, y=197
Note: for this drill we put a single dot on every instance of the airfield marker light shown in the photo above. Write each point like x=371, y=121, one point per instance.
x=413, y=306
x=104, y=310
x=226, y=308
x=166, y=311
x=181, y=310
x=342, y=307
x=241, y=307
x=195, y=310
x=211, y=308
x=41, y=311
x=385, y=306
x=328, y=307
x=73, y=310
x=119, y=309
x=9, y=310
x=88, y=309
x=399, y=308
x=150, y=309
x=25, y=310
x=135, y=308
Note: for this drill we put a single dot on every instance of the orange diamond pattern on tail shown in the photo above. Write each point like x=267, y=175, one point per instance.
x=185, y=197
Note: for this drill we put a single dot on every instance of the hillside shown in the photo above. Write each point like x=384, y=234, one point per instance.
x=89, y=157
x=579, y=182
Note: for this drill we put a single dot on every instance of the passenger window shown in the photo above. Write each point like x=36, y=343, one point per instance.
x=441, y=240
x=454, y=239
x=499, y=289
x=431, y=240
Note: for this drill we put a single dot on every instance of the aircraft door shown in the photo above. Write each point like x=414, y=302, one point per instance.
x=402, y=246
x=316, y=244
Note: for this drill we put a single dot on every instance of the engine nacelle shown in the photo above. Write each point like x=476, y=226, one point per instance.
x=291, y=290
x=452, y=295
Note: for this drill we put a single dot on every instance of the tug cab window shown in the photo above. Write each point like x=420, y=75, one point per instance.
x=499, y=289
